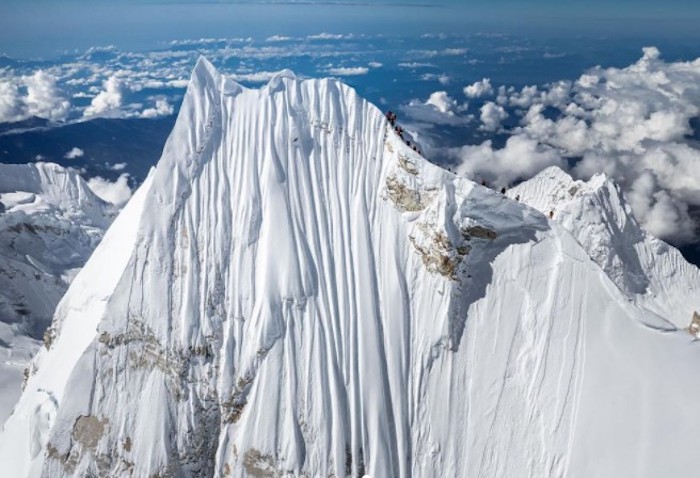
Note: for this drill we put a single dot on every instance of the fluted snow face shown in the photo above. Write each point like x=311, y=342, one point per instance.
x=299, y=294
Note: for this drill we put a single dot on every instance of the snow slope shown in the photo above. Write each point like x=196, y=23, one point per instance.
x=645, y=268
x=296, y=293
x=50, y=222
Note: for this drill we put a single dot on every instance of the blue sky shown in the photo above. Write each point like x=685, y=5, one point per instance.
x=46, y=28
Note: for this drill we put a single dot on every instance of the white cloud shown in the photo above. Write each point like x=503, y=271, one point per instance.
x=11, y=103
x=436, y=53
x=210, y=41
x=521, y=158
x=329, y=36
x=117, y=192
x=587, y=81
x=375, y=64
x=414, y=65
x=549, y=55
x=442, y=102
x=177, y=83
x=454, y=51
x=99, y=49
x=658, y=210
x=74, y=153
x=43, y=98
x=439, y=36
x=443, y=79
x=525, y=98
x=492, y=115
x=118, y=166
x=479, y=89
x=631, y=123
x=162, y=108
x=556, y=94
x=278, y=38
x=348, y=71
x=108, y=101
x=439, y=108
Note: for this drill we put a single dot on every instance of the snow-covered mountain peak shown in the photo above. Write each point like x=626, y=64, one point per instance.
x=285, y=73
x=553, y=187
x=205, y=77
x=596, y=213
x=296, y=292
x=50, y=222
x=43, y=187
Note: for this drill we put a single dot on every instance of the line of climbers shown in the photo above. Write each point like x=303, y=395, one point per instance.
x=503, y=189
x=517, y=198
x=391, y=117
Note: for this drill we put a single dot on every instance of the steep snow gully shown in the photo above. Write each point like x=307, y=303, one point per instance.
x=295, y=292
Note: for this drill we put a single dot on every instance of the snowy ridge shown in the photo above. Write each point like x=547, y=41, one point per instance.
x=76, y=319
x=297, y=293
x=647, y=269
x=50, y=222
x=52, y=187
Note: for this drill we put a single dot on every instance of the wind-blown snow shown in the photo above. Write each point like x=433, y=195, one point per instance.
x=298, y=293
x=50, y=222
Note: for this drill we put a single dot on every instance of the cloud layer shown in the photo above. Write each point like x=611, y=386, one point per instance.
x=108, y=101
x=639, y=124
x=478, y=89
x=349, y=71
x=74, y=153
x=32, y=95
x=632, y=123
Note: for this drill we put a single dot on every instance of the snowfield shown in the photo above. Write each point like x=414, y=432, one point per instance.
x=295, y=292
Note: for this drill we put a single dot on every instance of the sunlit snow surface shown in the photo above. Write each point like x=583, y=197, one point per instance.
x=296, y=292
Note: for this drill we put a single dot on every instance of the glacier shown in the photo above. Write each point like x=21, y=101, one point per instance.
x=50, y=222
x=296, y=292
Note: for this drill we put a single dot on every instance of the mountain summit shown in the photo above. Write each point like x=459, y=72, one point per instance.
x=646, y=269
x=296, y=292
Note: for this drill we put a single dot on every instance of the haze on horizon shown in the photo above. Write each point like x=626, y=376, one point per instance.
x=42, y=28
